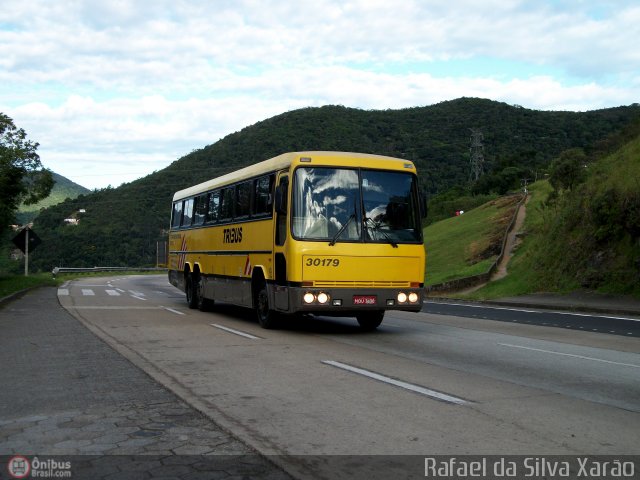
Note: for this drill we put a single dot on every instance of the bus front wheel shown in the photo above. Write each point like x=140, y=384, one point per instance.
x=369, y=321
x=267, y=318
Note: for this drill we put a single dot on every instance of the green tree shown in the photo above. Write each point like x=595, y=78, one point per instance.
x=568, y=170
x=22, y=177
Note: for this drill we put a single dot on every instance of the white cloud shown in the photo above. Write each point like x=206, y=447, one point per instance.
x=122, y=42
x=127, y=82
x=147, y=133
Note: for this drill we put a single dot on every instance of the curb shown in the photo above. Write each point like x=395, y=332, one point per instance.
x=15, y=295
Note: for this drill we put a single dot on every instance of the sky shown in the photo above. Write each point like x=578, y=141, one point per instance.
x=113, y=90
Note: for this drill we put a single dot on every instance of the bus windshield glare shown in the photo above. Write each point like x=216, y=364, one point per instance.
x=355, y=205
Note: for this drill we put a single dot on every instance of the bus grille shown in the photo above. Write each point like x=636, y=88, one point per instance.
x=361, y=284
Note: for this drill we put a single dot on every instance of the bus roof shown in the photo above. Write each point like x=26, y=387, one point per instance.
x=285, y=160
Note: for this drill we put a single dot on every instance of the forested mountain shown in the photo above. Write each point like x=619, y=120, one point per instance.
x=121, y=226
x=63, y=188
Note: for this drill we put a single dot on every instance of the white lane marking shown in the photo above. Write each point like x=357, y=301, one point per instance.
x=112, y=293
x=575, y=314
x=160, y=292
x=137, y=295
x=120, y=290
x=236, y=332
x=392, y=381
x=569, y=355
x=173, y=311
x=63, y=291
x=87, y=292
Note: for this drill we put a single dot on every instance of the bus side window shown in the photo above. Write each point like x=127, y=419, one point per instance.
x=281, y=225
x=262, y=195
x=200, y=209
x=187, y=215
x=214, y=207
x=176, y=218
x=226, y=204
x=243, y=200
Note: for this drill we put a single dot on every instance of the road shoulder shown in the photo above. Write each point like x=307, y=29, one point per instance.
x=72, y=395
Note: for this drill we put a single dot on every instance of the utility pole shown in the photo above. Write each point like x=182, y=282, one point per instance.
x=26, y=251
x=26, y=240
x=477, y=156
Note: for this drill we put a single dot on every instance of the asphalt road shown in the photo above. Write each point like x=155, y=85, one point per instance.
x=611, y=324
x=423, y=384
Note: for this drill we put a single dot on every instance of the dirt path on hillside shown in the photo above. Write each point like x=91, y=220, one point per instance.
x=511, y=243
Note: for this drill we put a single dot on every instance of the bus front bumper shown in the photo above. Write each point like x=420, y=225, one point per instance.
x=346, y=301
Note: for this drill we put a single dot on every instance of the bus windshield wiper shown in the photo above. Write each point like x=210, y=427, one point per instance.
x=342, y=229
x=376, y=228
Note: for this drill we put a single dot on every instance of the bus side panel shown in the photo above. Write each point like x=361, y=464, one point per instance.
x=225, y=255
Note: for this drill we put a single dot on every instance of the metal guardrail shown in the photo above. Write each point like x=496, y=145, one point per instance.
x=59, y=270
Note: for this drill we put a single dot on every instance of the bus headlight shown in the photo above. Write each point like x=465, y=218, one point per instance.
x=323, y=298
x=308, y=297
x=402, y=297
x=413, y=297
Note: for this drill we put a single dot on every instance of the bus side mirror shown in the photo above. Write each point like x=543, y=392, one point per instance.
x=281, y=199
x=423, y=205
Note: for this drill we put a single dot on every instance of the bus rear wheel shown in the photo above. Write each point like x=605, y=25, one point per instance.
x=369, y=321
x=267, y=318
x=191, y=289
x=204, y=304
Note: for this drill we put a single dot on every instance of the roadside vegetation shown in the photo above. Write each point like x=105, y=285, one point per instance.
x=10, y=284
x=521, y=277
x=467, y=245
x=581, y=231
x=591, y=234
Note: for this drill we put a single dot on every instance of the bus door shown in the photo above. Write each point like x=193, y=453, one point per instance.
x=281, y=293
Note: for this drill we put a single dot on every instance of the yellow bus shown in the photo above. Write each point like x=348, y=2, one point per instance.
x=323, y=233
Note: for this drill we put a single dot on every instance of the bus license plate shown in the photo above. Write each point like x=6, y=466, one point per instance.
x=364, y=299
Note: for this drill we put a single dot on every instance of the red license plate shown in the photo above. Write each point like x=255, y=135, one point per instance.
x=364, y=299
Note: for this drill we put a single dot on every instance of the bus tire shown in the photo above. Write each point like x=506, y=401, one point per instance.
x=204, y=304
x=267, y=318
x=191, y=291
x=369, y=321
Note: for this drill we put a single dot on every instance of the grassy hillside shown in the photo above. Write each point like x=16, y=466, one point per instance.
x=522, y=276
x=584, y=238
x=467, y=245
x=121, y=226
x=63, y=188
x=595, y=236
x=588, y=238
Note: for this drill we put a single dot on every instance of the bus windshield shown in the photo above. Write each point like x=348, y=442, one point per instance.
x=355, y=205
